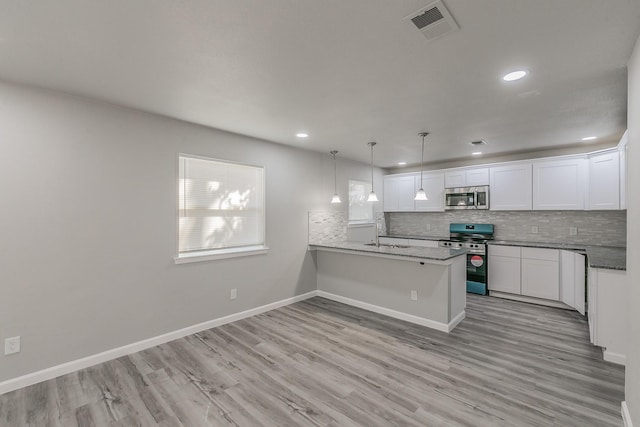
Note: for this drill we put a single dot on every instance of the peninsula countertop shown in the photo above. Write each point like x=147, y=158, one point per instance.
x=392, y=251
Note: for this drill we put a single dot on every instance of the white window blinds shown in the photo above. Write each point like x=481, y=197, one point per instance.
x=360, y=211
x=221, y=205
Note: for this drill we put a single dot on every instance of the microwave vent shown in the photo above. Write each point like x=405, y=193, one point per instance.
x=433, y=21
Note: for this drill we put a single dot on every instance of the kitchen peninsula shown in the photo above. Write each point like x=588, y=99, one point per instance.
x=426, y=286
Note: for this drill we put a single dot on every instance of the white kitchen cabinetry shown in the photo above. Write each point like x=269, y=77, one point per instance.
x=433, y=185
x=572, y=283
x=478, y=176
x=559, y=184
x=541, y=273
x=504, y=269
x=455, y=178
x=399, y=191
x=466, y=177
x=608, y=312
x=510, y=187
x=537, y=275
x=604, y=181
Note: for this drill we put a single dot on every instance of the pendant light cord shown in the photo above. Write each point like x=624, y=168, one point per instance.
x=423, y=135
x=335, y=173
x=422, y=160
x=372, y=144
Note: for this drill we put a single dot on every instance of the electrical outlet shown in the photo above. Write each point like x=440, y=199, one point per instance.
x=573, y=231
x=534, y=229
x=12, y=345
x=234, y=294
x=414, y=295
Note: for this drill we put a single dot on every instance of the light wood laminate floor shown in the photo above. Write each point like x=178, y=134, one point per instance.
x=322, y=363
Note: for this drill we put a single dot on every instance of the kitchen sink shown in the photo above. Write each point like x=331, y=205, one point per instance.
x=388, y=245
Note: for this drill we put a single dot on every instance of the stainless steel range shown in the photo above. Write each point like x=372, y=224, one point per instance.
x=474, y=238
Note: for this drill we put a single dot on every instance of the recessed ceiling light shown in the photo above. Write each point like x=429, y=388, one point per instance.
x=589, y=138
x=302, y=135
x=402, y=163
x=478, y=142
x=476, y=153
x=514, y=75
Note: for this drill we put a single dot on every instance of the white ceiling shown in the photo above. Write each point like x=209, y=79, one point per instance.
x=345, y=71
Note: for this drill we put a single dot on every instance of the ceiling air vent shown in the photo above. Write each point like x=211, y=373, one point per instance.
x=433, y=21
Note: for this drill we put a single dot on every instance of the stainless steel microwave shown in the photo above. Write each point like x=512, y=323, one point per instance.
x=466, y=198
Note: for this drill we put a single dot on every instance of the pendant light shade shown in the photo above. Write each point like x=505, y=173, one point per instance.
x=372, y=196
x=420, y=194
x=335, y=199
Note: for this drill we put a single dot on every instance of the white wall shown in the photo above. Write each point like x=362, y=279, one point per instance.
x=632, y=376
x=88, y=226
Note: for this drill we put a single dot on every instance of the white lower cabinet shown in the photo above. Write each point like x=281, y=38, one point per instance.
x=541, y=273
x=504, y=269
x=538, y=275
x=608, y=312
x=572, y=280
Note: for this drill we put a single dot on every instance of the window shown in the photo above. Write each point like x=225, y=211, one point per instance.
x=221, y=209
x=360, y=211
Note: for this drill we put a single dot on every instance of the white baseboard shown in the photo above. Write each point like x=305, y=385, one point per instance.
x=444, y=327
x=626, y=417
x=459, y=318
x=617, y=358
x=85, y=362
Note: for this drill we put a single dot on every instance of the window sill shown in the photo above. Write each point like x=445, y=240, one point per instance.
x=220, y=254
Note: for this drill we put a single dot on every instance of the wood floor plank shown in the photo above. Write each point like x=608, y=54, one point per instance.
x=322, y=363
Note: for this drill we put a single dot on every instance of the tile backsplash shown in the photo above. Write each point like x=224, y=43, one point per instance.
x=331, y=226
x=327, y=226
x=606, y=228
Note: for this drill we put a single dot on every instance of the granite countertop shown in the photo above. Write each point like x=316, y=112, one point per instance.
x=436, y=254
x=402, y=236
x=607, y=257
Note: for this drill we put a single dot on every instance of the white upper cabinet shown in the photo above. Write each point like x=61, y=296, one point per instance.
x=433, y=185
x=466, y=177
x=604, y=181
x=477, y=177
x=399, y=191
x=559, y=184
x=455, y=178
x=510, y=187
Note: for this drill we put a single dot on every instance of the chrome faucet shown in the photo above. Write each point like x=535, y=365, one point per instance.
x=377, y=234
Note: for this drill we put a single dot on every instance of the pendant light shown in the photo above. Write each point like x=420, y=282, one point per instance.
x=372, y=196
x=335, y=198
x=421, y=195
